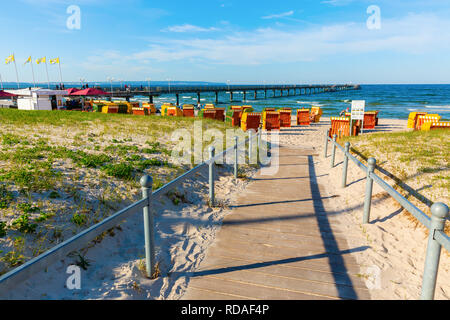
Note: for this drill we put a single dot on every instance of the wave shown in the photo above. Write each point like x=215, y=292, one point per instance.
x=437, y=107
x=309, y=102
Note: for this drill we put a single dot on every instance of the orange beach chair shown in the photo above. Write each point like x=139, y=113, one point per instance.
x=250, y=120
x=303, y=117
x=285, y=117
x=271, y=120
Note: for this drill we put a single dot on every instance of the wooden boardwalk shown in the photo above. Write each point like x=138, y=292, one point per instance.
x=279, y=242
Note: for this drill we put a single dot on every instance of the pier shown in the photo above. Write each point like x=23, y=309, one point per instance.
x=252, y=91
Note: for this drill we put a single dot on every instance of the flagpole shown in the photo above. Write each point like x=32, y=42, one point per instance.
x=32, y=72
x=60, y=73
x=1, y=81
x=48, y=78
x=17, y=74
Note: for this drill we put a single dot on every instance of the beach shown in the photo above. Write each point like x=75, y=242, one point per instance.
x=396, y=245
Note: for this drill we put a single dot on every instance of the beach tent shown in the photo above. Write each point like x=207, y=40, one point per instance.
x=6, y=99
x=72, y=90
x=4, y=94
x=90, y=92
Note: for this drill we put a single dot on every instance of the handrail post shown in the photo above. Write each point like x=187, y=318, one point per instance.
x=439, y=213
x=235, y=157
x=326, y=143
x=345, y=165
x=333, y=153
x=258, y=148
x=250, y=146
x=211, y=176
x=147, y=183
x=371, y=163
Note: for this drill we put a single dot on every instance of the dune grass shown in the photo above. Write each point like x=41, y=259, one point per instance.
x=62, y=171
x=418, y=163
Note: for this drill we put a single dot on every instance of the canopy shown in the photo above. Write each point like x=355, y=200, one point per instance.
x=72, y=90
x=28, y=92
x=4, y=94
x=90, y=92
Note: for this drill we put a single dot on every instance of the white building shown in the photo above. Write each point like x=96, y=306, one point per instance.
x=39, y=99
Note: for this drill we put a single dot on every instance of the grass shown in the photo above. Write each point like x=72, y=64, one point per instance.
x=63, y=171
x=417, y=162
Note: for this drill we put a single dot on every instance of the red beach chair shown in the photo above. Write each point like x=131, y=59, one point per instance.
x=209, y=114
x=220, y=114
x=251, y=120
x=369, y=120
x=285, y=117
x=140, y=112
x=272, y=120
x=303, y=117
x=188, y=111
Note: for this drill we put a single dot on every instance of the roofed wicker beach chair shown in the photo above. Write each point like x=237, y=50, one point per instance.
x=233, y=116
x=426, y=118
x=340, y=126
x=370, y=119
x=432, y=125
x=174, y=111
x=412, y=119
x=271, y=120
x=316, y=113
x=150, y=107
x=303, y=117
x=285, y=117
x=188, y=110
x=251, y=120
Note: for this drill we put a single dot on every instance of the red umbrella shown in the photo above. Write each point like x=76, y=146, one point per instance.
x=90, y=92
x=72, y=90
x=4, y=94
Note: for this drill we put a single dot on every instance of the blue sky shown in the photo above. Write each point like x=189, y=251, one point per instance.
x=242, y=41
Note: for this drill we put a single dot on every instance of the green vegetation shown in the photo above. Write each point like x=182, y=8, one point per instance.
x=5, y=197
x=79, y=219
x=23, y=224
x=417, y=161
x=61, y=171
x=3, y=229
x=121, y=170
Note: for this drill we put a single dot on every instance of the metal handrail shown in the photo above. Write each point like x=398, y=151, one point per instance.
x=436, y=224
x=61, y=250
x=443, y=239
x=52, y=255
x=416, y=212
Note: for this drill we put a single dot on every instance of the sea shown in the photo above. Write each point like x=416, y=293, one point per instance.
x=394, y=101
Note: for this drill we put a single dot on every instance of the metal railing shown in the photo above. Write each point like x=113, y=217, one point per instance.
x=177, y=89
x=436, y=224
x=81, y=240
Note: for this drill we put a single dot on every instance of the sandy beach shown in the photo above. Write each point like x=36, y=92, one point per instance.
x=397, y=244
x=184, y=233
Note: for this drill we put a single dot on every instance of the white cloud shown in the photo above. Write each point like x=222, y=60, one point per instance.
x=337, y=2
x=413, y=34
x=280, y=15
x=189, y=28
